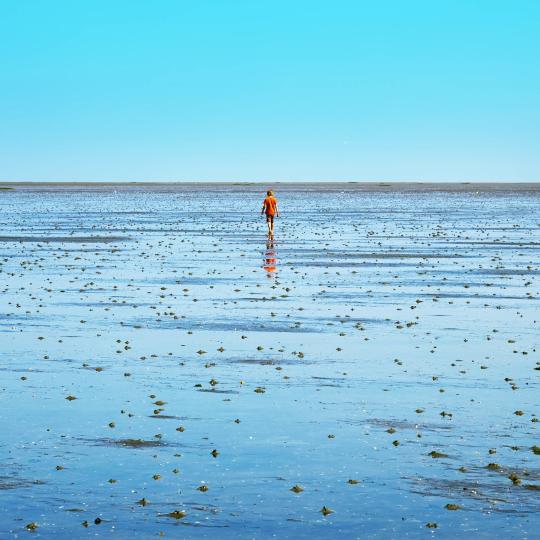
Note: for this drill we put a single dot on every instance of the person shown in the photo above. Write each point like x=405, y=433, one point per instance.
x=270, y=208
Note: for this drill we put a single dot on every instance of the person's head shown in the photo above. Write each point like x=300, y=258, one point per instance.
x=269, y=192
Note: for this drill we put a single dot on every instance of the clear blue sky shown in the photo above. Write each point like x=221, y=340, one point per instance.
x=270, y=89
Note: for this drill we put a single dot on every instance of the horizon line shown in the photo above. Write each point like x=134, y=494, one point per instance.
x=262, y=182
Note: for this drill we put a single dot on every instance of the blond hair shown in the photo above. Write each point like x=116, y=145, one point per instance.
x=269, y=192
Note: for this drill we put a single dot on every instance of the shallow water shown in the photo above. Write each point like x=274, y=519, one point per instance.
x=168, y=309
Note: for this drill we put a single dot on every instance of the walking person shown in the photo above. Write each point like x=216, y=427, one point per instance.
x=270, y=208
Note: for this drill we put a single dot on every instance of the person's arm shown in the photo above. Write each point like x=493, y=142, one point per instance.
x=263, y=207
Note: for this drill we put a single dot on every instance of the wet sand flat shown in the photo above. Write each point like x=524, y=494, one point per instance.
x=372, y=372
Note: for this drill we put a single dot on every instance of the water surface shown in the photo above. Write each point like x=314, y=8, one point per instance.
x=381, y=353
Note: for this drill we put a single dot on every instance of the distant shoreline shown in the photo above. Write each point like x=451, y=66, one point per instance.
x=420, y=187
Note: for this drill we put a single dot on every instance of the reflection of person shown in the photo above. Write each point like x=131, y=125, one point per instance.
x=270, y=208
x=270, y=257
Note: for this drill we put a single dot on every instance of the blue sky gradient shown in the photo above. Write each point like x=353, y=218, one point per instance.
x=269, y=90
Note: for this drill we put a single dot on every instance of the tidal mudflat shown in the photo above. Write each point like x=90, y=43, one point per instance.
x=372, y=372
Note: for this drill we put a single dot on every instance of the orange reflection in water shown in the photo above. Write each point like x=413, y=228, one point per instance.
x=270, y=257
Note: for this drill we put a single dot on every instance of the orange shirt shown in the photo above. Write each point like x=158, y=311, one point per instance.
x=270, y=204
